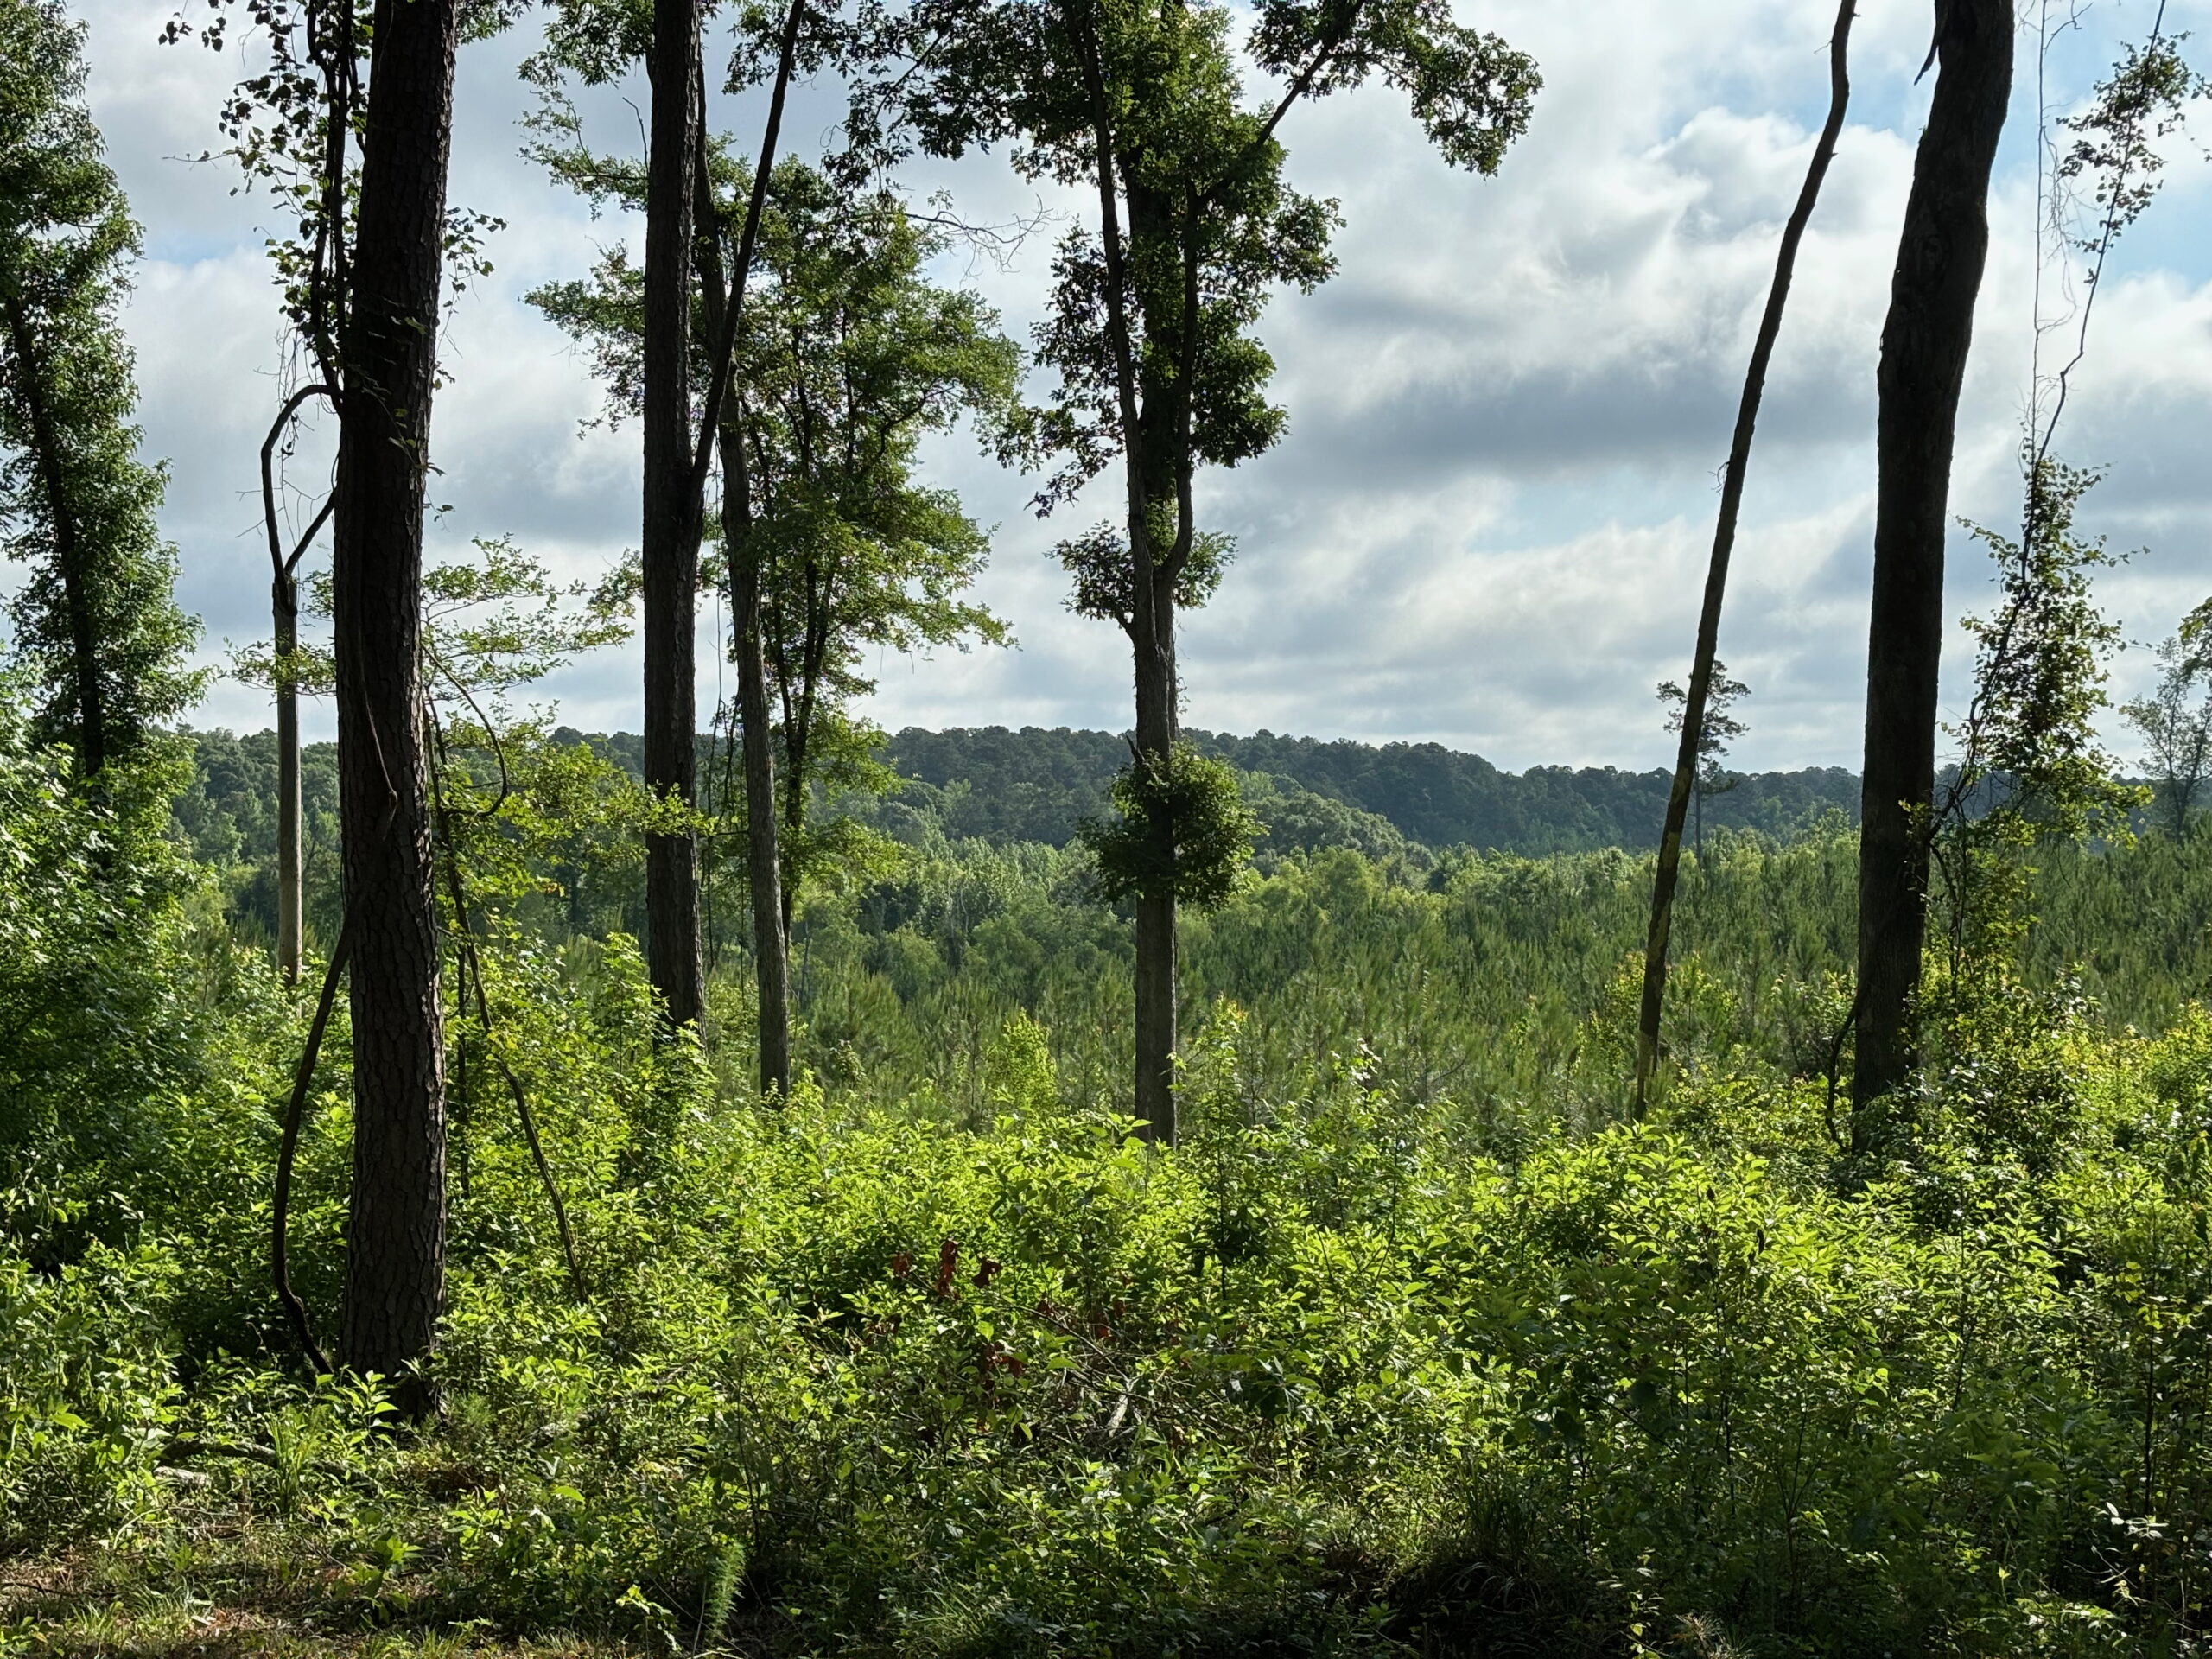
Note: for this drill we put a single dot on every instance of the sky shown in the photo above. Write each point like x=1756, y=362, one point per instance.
x=1488, y=521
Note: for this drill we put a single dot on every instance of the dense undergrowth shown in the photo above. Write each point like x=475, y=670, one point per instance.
x=1414, y=1345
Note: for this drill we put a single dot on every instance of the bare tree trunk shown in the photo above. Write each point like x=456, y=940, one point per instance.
x=1716, y=576
x=395, y=1265
x=763, y=851
x=763, y=865
x=1157, y=1035
x=671, y=536
x=284, y=607
x=795, y=748
x=1924, y=348
x=289, y=878
x=1148, y=472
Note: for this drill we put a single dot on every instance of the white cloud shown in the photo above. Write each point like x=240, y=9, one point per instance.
x=1489, y=521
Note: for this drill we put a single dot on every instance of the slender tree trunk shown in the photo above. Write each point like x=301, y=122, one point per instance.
x=1147, y=469
x=756, y=737
x=68, y=545
x=763, y=864
x=1156, y=1029
x=1716, y=576
x=671, y=538
x=1924, y=348
x=395, y=1265
x=794, y=807
x=289, y=876
x=763, y=844
x=284, y=607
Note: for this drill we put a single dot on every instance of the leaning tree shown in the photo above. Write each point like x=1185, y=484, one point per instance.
x=1700, y=701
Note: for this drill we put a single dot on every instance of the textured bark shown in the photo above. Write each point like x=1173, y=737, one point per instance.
x=1925, y=343
x=1684, y=787
x=68, y=551
x=669, y=542
x=395, y=1265
x=1157, y=1034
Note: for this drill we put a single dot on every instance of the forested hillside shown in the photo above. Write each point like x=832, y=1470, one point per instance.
x=1034, y=784
x=1005, y=786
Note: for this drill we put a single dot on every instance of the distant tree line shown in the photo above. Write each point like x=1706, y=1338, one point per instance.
x=1032, y=785
x=1035, y=784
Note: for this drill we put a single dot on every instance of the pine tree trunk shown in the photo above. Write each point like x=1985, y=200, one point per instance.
x=395, y=1265
x=1924, y=348
x=670, y=543
x=289, y=876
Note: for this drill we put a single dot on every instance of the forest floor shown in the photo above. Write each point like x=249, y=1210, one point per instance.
x=247, y=1590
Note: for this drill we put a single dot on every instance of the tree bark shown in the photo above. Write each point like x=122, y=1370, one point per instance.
x=763, y=865
x=284, y=608
x=1686, y=786
x=756, y=736
x=1157, y=1035
x=395, y=1267
x=670, y=543
x=285, y=599
x=1925, y=343
x=1151, y=626
x=283, y=625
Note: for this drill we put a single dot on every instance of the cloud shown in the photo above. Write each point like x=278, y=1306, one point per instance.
x=1489, y=520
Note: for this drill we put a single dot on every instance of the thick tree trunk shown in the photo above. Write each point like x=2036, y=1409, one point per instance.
x=68, y=547
x=670, y=537
x=395, y=1266
x=1924, y=348
x=289, y=876
x=1685, y=786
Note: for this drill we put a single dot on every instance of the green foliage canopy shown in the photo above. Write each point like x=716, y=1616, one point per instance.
x=95, y=622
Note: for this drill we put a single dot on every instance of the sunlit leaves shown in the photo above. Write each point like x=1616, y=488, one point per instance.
x=1180, y=830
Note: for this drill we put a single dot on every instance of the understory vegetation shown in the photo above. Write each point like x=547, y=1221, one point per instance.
x=1415, y=1344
